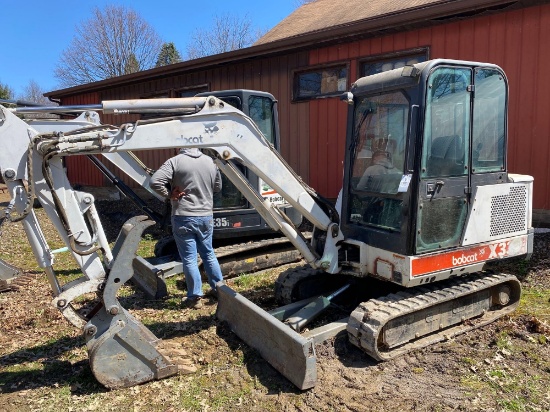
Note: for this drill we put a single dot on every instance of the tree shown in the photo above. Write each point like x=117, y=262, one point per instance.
x=6, y=92
x=132, y=65
x=34, y=93
x=108, y=45
x=226, y=34
x=168, y=55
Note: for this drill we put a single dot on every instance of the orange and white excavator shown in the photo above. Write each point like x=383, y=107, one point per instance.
x=427, y=204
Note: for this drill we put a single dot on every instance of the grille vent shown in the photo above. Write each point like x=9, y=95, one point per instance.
x=509, y=212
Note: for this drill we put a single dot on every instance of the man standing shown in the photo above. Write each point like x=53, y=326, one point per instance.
x=190, y=180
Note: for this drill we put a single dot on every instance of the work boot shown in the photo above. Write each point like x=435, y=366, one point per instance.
x=193, y=303
x=212, y=293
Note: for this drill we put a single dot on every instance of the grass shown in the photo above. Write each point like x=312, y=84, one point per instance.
x=514, y=389
x=48, y=368
x=513, y=392
x=535, y=302
x=469, y=361
x=503, y=341
x=256, y=281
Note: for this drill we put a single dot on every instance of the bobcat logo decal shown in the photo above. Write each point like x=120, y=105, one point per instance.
x=211, y=129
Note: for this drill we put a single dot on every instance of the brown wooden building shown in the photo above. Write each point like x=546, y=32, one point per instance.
x=314, y=54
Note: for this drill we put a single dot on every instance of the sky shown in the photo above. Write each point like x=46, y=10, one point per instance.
x=35, y=32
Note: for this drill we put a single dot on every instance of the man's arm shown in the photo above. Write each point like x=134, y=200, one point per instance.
x=218, y=181
x=161, y=180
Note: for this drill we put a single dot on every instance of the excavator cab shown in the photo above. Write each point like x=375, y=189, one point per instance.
x=422, y=139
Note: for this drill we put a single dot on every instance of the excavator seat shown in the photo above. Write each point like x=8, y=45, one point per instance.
x=446, y=157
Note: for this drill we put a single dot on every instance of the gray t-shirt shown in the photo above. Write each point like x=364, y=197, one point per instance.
x=193, y=173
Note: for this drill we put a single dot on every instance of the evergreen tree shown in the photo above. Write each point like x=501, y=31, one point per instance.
x=132, y=65
x=5, y=91
x=168, y=55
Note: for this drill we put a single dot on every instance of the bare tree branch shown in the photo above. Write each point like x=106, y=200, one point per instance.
x=227, y=33
x=110, y=44
x=35, y=94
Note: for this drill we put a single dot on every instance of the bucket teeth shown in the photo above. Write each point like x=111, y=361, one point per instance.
x=23, y=280
x=17, y=283
x=178, y=356
x=4, y=286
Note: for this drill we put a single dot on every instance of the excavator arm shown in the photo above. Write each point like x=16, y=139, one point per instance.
x=228, y=133
x=122, y=351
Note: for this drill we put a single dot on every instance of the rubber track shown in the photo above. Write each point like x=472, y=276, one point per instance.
x=224, y=251
x=287, y=281
x=368, y=320
x=226, y=254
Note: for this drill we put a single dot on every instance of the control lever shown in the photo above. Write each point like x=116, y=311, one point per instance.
x=433, y=188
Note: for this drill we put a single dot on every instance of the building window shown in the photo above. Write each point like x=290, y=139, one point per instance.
x=324, y=82
x=190, y=91
x=156, y=95
x=383, y=64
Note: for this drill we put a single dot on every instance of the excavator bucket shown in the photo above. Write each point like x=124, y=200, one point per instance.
x=287, y=351
x=8, y=275
x=122, y=351
x=126, y=353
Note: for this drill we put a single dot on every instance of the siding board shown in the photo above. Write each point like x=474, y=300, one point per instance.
x=542, y=108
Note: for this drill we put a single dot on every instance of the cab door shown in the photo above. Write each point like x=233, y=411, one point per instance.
x=444, y=183
x=489, y=128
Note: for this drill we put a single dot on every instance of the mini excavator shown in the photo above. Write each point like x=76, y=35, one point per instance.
x=427, y=205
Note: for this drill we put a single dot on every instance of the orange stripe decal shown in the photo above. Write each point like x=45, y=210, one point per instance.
x=464, y=257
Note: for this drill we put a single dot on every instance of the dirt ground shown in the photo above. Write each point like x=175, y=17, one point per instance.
x=44, y=364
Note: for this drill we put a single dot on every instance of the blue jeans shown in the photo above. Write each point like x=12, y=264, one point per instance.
x=193, y=233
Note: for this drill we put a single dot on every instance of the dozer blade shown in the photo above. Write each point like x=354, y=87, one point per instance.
x=151, y=279
x=287, y=351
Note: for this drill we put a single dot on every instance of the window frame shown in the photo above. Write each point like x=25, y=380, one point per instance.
x=195, y=89
x=296, y=98
x=157, y=94
x=499, y=164
x=380, y=58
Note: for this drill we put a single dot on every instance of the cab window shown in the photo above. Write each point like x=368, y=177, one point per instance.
x=446, y=128
x=489, y=121
x=380, y=131
x=261, y=111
